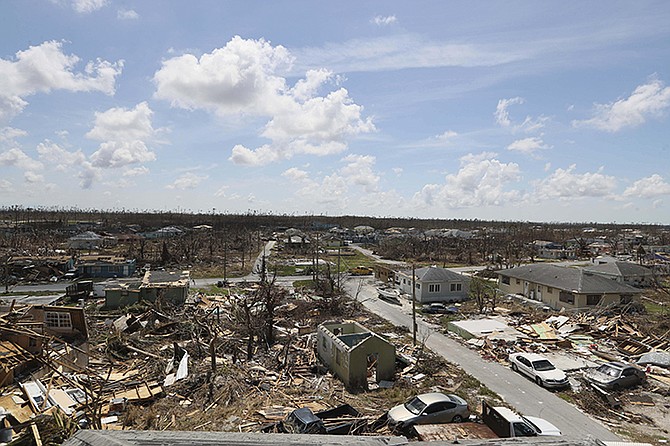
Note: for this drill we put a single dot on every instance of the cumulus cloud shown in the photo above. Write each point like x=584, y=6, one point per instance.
x=243, y=78
x=359, y=170
x=383, y=20
x=136, y=172
x=43, y=68
x=127, y=14
x=565, y=184
x=121, y=153
x=121, y=124
x=649, y=187
x=59, y=157
x=295, y=174
x=17, y=158
x=528, y=146
x=188, y=180
x=648, y=100
x=9, y=134
x=125, y=133
x=480, y=181
x=33, y=177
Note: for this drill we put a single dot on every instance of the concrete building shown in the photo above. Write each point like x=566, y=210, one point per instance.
x=169, y=286
x=351, y=351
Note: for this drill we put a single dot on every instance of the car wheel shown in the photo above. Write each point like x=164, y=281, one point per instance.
x=457, y=419
x=514, y=367
x=538, y=381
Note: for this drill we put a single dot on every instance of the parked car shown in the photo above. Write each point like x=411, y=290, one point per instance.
x=438, y=308
x=361, y=271
x=429, y=408
x=616, y=375
x=539, y=369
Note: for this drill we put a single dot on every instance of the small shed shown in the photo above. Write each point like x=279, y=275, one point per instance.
x=352, y=352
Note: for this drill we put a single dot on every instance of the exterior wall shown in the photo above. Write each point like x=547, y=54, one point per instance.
x=77, y=320
x=118, y=298
x=555, y=297
x=350, y=364
x=107, y=270
x=175, y=295
x=383, y=352
x=424, y=295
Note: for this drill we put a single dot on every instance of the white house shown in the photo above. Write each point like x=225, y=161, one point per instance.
x=434, y=284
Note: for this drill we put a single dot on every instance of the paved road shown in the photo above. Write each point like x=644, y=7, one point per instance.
x=521, y=393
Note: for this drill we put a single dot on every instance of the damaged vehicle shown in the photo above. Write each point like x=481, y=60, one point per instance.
x=616, y=375
x=429, y=408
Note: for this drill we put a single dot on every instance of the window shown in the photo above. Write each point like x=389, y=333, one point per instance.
x=418, y=286
x=57, y=319
x=592, y=299
x=518, y=281
x=505, y=280
x=434, y=288
x=550, y=290
x=456, y=287
x=566, y=297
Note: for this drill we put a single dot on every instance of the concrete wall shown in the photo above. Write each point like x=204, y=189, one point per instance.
x=345, y=348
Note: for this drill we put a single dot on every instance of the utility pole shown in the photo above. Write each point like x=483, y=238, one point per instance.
x=339, y=256
x=413, y=304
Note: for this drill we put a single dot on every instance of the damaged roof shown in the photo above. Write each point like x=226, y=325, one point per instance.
x=435, y=274
x=569, y=279
x=619, y=268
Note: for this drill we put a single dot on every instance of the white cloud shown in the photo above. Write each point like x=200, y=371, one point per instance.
x=528, y=146
x=87, y=6
x=125, y=133
x=17, y=158
x=45, y=67
x=397, y=170
x=503, y=119
x=402, y=51
x=565, y=184
x=383, y=20
x=480, y=181
x=221, y=192
x=9, y=134
x=59, y=157
x=6, y=187
x=295, y=174
x=87, y=175
x=120, y=124
x=127, y=14
x=649, y=187
x=32, y=177
x=502, y=114
x=121, y=153
x=358, y=170
x=188, y=180
x=446, y=136
x=136, y=172
x=242, y=78
x=648, y=100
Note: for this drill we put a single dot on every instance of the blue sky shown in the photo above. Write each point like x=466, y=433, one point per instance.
x=516, y=110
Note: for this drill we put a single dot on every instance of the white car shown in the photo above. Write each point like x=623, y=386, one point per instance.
x=539, y=369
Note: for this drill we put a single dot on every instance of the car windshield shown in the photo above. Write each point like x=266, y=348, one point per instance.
x=528, y=422
x=609, y=371
x=415, y=405
x=543, y=365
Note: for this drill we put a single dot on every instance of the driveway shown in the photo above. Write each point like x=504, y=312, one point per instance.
x=524, y=395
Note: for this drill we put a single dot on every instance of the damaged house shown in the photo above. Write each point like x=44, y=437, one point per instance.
x=37, y=333
x=352, y=352
x=167, y=286
x=564, y=287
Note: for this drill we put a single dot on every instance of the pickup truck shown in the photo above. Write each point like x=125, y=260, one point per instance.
x=496, y=422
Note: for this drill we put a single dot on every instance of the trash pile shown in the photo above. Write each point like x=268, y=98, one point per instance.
x=211, y=364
